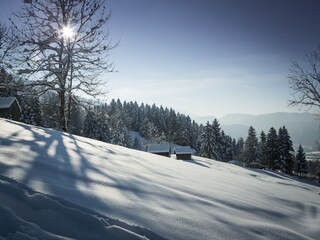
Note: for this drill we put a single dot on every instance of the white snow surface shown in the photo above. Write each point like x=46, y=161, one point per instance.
x=197, y=199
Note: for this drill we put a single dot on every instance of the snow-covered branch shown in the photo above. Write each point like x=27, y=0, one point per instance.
x=61, y=61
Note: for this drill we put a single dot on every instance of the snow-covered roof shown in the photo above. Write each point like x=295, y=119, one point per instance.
x=183, y=150
x=6, y=102
x=159, y=148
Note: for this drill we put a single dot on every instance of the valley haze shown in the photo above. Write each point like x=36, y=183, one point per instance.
x=304, y=128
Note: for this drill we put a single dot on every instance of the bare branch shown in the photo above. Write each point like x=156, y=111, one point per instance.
x=55, y=61
x=305, y=83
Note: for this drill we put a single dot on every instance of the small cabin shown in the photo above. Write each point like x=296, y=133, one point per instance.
x=183, y=153
x=10, y=108
x=163, y=149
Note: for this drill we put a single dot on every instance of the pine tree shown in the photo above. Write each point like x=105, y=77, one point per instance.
x=227, y=147
x=196, y=129
x=273, y=149
x=251, y=146
x=172, y=124
x=217, y=140
x=90, y=125
x=285, y=148
x=149, y=130
x=103, y=131
x=210, y=141
x=239, y=149
x=301, y=161
x=184, y=135
x=136, y=117
x=262, y=149
x=77, y=117
x=120, y=135
x=30, y=110
x=206, y=142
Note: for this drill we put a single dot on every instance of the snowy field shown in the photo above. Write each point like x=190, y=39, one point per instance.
x=45, y=176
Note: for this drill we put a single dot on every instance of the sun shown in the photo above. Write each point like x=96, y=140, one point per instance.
x=67, y=32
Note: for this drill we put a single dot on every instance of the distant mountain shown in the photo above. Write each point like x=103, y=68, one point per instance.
x=236, y=118
x=304, y=128
x=203, y=119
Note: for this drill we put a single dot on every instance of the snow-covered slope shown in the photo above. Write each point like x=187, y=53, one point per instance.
x=26, y=214
x=199, y=199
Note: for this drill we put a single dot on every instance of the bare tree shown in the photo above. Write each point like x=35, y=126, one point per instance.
x=7, y=45
x=63, y=47
x=305, y=82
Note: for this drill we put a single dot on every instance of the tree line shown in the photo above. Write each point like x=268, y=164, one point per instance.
x=273, y=150
x=106, y=122
x=112, y=123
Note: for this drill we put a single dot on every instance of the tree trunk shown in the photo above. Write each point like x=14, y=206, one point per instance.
x=62, y=112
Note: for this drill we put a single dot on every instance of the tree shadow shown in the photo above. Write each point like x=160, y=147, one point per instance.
x=59, y=165
x=196, y=162
x=283, y=176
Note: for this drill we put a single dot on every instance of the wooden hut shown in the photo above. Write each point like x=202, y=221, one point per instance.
x=183, y=153
x=10, y=108
x=163, y=149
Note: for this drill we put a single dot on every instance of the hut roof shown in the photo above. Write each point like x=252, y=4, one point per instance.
x=6, y=102
x=159, y=148
x=183, y=150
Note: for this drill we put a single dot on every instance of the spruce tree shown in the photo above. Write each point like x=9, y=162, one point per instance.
x=285, y=148
x=103, y=131
x=120, y=135
x=217, y=140
x=273, y=149
x=90, y=125
x=172, y=125
x=206, y=142
x=301, y=162
x=77, y=116
x=239, y=149
x=30, y=110
x=228, y=148
x=210, y=141
x=251, y=146
x=262, y=149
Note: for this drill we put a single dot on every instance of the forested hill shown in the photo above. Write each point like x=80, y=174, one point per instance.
x=111, y=123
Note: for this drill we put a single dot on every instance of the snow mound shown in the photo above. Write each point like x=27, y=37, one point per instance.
x=197, y=199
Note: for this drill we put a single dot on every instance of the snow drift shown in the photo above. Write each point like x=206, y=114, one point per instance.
x=197, y=199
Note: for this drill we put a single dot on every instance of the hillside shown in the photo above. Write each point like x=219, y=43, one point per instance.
x=119, y=189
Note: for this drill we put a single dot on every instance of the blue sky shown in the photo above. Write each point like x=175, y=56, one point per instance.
x=208, y=57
